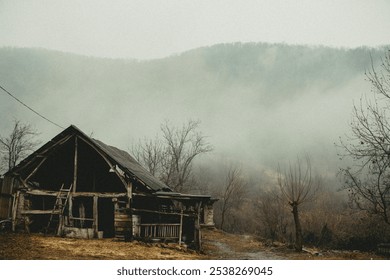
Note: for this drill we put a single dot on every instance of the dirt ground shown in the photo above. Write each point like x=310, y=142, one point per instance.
x=216, y=245
x=222, y=245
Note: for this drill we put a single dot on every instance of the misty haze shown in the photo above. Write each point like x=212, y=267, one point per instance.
x=259, y=105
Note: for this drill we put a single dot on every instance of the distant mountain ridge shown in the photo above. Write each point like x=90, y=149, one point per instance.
x=250, y=64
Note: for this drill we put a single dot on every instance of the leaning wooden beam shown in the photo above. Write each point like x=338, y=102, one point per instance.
x=58, y=143
x=181, y=227
x=107, y=161
x=35, y=169
x=24, y=183
x=95, y=216
x=29, y=161
x=103, y=155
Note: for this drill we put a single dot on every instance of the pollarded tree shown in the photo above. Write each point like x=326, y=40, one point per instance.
x=368, y=145
x=298, y=186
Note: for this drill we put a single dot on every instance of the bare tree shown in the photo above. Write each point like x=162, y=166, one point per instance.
x=232, y=192
x=298, y=186
x=171, y=158
x=151, y=154
x=17, y=144
x=368, y=145
x=272, y=213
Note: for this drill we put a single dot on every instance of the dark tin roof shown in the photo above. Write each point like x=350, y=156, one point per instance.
x=116, y=156
x=130, y=166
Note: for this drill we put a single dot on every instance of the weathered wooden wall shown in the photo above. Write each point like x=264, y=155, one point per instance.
x=6, y=198
x=123, y=223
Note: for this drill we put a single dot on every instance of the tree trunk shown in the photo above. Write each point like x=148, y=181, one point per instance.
x=222, y=217
x=298, y=229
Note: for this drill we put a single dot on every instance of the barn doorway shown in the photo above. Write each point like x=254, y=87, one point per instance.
x=106, y=217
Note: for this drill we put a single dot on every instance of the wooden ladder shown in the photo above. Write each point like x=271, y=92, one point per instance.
x=59, y=205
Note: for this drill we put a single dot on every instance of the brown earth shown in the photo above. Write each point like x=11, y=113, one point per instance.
x=216, y=245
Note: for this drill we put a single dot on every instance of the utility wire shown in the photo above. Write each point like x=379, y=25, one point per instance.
x=28, y=107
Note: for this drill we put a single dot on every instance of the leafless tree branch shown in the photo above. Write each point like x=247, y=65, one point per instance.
x=368, y=145
x=17, y=144
x=171, y=158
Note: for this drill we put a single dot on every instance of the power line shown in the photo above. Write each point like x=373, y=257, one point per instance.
x=28, y=107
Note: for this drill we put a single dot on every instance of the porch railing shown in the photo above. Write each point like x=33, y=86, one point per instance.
x=159, y=230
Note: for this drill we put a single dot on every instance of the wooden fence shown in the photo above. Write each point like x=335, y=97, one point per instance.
x=384, y=249
x=171, y=231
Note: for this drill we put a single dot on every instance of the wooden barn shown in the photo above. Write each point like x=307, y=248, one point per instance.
x=77, y=186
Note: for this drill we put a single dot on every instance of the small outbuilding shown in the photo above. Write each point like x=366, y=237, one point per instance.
x=78, y=186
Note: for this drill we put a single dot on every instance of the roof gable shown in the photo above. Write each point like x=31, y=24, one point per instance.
x=130, y=166
x=118, y=157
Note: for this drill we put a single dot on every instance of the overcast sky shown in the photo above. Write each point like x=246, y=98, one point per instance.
x=145, y=29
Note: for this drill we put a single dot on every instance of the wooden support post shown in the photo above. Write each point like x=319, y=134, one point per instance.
x=60, y=217
x=116, y=205
x=95, y=216
x=70, y=209
x=116, y=212
x=130, y=233
x=10, y=205
x=197, y=235
x=15, y=209
x=200, y=232
x=35, y=169
x=75, y=165
x=21, y=207
x=181, y=227
x=129, y=189
x=27, y=223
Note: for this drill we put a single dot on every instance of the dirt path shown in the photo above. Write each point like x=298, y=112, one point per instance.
x=225, y=252
x=225, y=246
x=220, y=245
